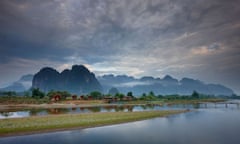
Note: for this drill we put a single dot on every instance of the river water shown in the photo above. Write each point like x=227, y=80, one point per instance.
x=214, y=124
x=11, y=113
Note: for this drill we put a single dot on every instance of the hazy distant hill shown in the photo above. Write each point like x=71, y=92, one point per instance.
x=23, y=84
x=77, y=80
x=80, y=80
x=165, y=86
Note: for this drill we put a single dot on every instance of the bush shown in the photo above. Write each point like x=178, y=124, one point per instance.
x=36, y=93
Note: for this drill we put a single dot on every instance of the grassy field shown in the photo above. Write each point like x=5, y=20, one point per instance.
x=176, y=101
x=194, y=101
x=68, y=121
x=82, y=102
x=22, y=100
x=14, y=100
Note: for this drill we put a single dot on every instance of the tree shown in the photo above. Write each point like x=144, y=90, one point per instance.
x=160, y=96
x=51, y=94
x=96, y=94
x=10, y=93
x=119, y=95
x=144, y=95
x=36, y=93
x=63, y=94
x=195, y=94
x=130, y=94
x=151, y=93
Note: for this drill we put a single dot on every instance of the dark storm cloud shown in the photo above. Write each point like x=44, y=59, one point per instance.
x=138, y=37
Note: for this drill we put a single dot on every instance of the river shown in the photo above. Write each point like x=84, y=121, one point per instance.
x=216, y=124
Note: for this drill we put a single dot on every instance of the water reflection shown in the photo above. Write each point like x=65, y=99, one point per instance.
x=113, y=108
x=204, y=126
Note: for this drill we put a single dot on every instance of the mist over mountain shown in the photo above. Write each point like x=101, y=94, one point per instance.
x=165, y=86
x=23, y=84
x=78, y=80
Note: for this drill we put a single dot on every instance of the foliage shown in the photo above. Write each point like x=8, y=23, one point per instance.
x=96, y=95
x=130, y=94
x=151, y=93
x=195, y=95
x=63, y=94
x=119, y=95
x=8, y=93
x=36, y=93
x=22, y=100
x=144, y=95
x=234, y=96
x=151, y=96
x=160, y=96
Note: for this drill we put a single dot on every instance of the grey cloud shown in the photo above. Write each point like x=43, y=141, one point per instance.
x=139, y=37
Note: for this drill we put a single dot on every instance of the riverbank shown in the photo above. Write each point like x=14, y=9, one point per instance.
x=96, y=103
x=57, y=105
x=40, y=124
x=178, y=101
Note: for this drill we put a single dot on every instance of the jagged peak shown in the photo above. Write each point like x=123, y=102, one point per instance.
x=27, y=77
x=76, y=80
x=190, y=80
x=147, y=78
x=168, y=77
x=79, y=68
x=47, y=69
x=65, y=71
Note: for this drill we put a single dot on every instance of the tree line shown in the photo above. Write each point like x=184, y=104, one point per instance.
x=38, y=94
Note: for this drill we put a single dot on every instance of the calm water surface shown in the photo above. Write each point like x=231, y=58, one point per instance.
x=11, y=113
x=213, y=125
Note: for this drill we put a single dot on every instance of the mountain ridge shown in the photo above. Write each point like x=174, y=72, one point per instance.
x=79, y=79
x=23, y=84
x=165, y=86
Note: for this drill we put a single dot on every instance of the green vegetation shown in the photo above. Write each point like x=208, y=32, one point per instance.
x=57, y=122
x=119, y=95
x=177, y=101
x=8, y=93
x=195, y=98
x=22, y=100
x=63, y=94
x=36, y=93
x=151, y=96
x=234, y=96
x=38, y=97
x=195, y=95
x=96, y=95
x=130, y=94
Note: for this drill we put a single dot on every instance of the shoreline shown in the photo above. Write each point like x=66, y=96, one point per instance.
x=58, y=105
x=91, y=121
x=75, y=105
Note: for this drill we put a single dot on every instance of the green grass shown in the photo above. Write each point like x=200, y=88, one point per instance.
x=176, y=101
x=194, y=101
x=21, y=100
x=68, y=121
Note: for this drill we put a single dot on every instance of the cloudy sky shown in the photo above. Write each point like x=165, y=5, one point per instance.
x=183, y=38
